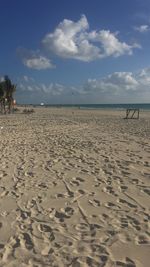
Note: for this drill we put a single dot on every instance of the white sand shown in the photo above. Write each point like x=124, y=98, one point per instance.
x=74, y=189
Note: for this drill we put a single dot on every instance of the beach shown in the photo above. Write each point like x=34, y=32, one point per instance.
x=74, y=189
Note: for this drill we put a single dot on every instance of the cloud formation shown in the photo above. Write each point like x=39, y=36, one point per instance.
x=114, y=88
x=142, y=28
x=144, y=78
x=34, y=59
x=74, y=40
x=70, y=40
x=113, y=83
x=38, y=63
x=27, y=84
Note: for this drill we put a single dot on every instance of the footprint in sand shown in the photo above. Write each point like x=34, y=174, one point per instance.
x=82, y=192
x=90, y=261
x=60, y=195
x=3, y=174
x=82, y=227
x=26, y=241
x=123, y=188
x=99, y=249
x=127, y=203
x=128, y=263
x=47, y=231
x=112, y=205
x=142, y=239
x=85, y=230
x=147, y=191
x=94, y=202
x=65, y=213
x=124, y=222
x=134, y=222
x=44, y=228
x=24, y=214
x=43, y=185
x=9, y=248
x=135, y=181
x=125, y=173
x=110, y=190
x=77, y=181
x=69, y=211
x=118, y=179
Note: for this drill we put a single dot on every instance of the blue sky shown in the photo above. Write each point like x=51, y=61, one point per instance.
x=79, y=51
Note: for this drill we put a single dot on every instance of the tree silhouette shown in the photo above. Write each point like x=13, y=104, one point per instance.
x=7, y=90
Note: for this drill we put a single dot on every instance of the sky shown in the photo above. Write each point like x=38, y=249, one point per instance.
x=76, y=51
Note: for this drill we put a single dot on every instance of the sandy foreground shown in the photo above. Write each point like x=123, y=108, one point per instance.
x=74, y=189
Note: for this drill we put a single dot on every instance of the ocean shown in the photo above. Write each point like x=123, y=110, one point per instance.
x=103, y=106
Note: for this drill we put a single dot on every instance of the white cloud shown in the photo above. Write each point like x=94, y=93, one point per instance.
x=144, y=77
x=112, y=46
x=30, y=88
x=142, y=28
x=123, y=80
x=74, y=40
x=50, y=89
x=116, y=87
x=25, y=78
x=38, y=62
x=115, y=83
x=62, y=40
x=34, y=60
x=68, y=41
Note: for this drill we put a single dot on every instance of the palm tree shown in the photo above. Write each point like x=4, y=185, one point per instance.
x=2, y=97
x=7, y=90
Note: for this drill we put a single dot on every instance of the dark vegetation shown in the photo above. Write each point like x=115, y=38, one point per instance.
x=7, y=89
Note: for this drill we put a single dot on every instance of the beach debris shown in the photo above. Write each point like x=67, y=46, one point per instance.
x=28, y=111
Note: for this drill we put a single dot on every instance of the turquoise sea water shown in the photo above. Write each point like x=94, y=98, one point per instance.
x=104, y=106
